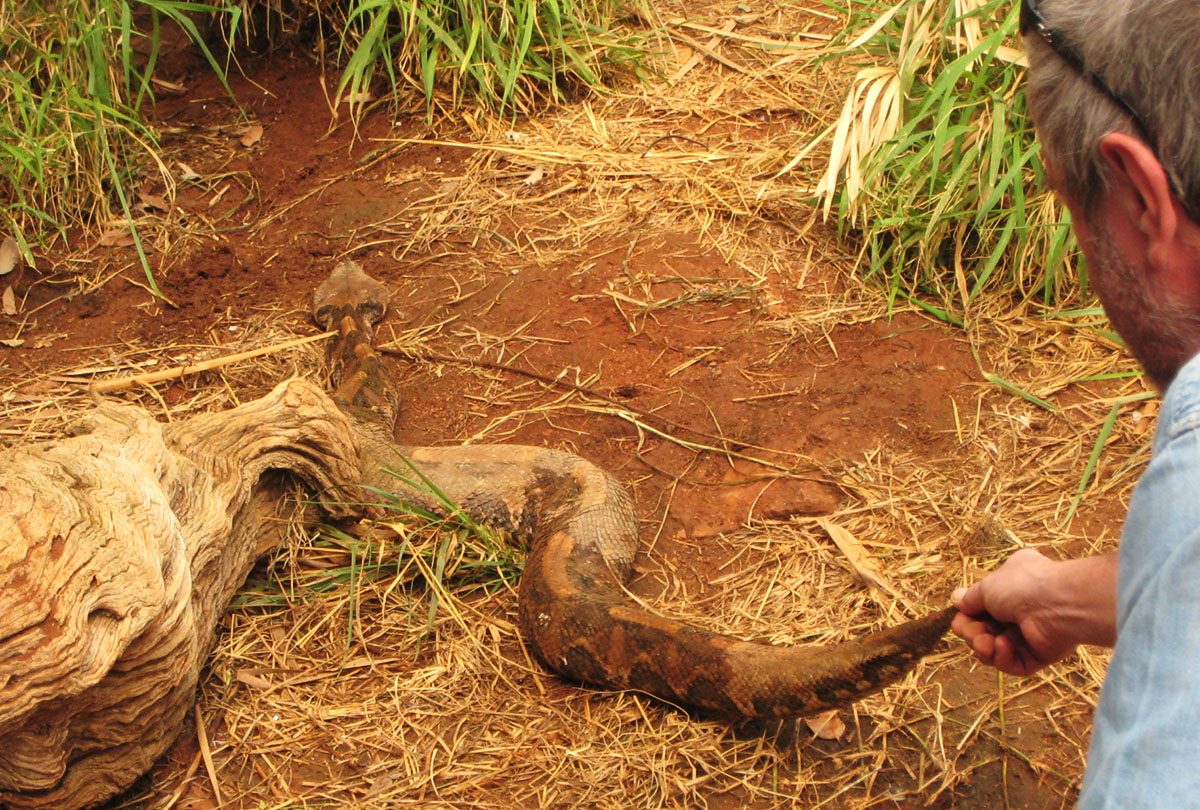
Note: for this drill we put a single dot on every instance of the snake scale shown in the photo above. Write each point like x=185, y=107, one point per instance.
x=582, y=532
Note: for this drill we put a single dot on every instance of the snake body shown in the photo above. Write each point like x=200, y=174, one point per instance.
x=582, y=533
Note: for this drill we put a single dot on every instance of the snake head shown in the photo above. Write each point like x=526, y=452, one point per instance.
x=350, y=290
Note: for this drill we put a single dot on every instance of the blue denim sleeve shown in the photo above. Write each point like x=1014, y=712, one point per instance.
x=1145, y=749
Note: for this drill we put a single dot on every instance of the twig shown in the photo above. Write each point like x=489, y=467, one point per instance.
x=672, y=137
x=206, y=752
x=120, y=383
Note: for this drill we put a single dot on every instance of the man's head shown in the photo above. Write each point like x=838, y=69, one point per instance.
x=1123, y=147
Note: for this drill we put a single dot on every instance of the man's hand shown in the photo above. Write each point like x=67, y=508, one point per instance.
x=1034, y=611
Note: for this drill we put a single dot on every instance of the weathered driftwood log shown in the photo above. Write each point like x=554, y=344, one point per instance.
x=119, y=549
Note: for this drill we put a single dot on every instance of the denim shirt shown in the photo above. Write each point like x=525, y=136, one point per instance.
x=1145, y=750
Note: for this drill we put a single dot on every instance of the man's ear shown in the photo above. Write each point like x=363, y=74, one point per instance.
x=1140, y=187
x=1145, y=218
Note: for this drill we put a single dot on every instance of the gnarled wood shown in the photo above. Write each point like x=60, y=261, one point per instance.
x=119, y=549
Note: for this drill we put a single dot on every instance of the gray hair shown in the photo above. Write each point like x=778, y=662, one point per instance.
x=1146, y=51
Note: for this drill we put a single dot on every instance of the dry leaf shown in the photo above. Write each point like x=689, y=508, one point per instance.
x=870, y=115
x=8, y=301
x=380, y=785
x=171, y=88
x=864, y=565
x=361, y=97
x=38, y=387
x=535, y=177
x=116, y=237
x=687, y=59
x=241, y=676
x=690, y=57
x=153, y=201
x=826, y=725
x=12, y=343
x=251, y=135
x=10, y=254
x=188, y=173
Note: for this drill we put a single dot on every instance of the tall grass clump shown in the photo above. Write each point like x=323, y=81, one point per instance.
x=934, y=161
x=74, y=75
x=509, y=55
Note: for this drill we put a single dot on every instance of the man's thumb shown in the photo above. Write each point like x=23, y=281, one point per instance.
x=968, y=600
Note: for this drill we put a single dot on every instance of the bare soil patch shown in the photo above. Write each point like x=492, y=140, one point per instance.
x=737, y=378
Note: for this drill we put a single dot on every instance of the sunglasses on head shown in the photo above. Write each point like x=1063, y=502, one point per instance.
x=1032, y=21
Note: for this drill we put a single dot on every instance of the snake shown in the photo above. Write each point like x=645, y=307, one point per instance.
x=575, y=610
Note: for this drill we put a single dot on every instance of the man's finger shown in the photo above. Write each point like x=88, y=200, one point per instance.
x=984, y=645
x=968, y=627
x=1007, y=660
x=1014, y=656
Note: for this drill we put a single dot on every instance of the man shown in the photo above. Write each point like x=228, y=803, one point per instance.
x=1114, y=87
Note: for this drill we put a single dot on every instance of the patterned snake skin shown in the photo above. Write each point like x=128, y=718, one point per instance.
x=582, y=534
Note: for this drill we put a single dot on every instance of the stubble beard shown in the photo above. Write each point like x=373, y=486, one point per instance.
x=1159, y=333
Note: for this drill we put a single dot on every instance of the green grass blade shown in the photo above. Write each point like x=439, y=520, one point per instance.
x=1005, y=384
x=1097, y=449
